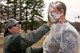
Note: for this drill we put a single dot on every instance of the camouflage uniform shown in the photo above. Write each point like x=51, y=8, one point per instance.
x=16, y=43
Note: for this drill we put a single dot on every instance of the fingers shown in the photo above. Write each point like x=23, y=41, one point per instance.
x=48, y=19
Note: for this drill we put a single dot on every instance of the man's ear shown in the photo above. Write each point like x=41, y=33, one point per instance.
x=62, y=11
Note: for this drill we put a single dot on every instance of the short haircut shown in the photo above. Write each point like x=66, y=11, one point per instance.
x=61, y=5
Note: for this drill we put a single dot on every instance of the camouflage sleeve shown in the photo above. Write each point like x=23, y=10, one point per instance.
x=34, y=36
x=37, y=50
x=68, y=43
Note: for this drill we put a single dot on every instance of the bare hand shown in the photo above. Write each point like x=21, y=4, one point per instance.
x=49, y=23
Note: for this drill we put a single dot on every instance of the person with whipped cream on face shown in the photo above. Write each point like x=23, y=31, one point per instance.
x=63, y=37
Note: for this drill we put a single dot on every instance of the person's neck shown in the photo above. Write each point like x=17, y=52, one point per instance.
x=61, y=20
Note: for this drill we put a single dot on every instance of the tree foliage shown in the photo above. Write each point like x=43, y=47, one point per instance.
x=27, y=11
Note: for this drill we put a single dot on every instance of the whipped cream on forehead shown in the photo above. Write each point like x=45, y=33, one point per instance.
x=53, y=5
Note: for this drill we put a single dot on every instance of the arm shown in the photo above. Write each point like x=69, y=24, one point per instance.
x=69, y=42
x=37, y=50
x=30, y=38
